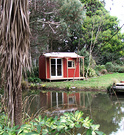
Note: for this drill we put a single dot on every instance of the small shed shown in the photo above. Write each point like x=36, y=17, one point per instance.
x=60, y=66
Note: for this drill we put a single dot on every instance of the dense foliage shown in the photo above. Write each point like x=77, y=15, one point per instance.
x=69, y=123
x=54, y=24
x=75, y=25
x=101, y=33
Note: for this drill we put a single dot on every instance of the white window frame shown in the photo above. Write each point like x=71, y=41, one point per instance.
x=72, y=64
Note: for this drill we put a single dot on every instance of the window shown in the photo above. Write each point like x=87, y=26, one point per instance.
x=56, y=67
x=71, y=100
x=71, y=64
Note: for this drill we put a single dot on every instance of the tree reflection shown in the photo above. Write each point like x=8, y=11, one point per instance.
x=103, y=109
x=105, y=112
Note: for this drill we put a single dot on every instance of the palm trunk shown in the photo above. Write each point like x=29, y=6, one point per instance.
x=15, y=53
x=18, y=107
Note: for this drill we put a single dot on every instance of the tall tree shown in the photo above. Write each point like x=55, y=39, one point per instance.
x=15, y=53
x=55, y=24
x=100, y=24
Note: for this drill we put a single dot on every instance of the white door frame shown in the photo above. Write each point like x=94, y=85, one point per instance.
x=56, y=68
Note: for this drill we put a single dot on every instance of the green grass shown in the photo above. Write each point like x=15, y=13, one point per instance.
x=101, y=82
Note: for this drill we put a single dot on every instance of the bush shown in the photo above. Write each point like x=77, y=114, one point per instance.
x=119, y=62
x=69, y=123
x=103, y=71
x=118, y=69
x=34, y=80
x=24, y=85
x=91, y=72
x=100, y=67
x=114, y=68
x=34, y=72
x=109, y=67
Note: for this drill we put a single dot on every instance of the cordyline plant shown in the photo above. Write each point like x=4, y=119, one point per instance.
x=14, y=48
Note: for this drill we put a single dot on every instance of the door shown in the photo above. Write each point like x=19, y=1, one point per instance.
x=56, y=67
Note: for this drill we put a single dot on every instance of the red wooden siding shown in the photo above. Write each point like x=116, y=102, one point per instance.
x=74, y=72
x=64, y=68
x=48, y=68
x=42, y=67
x=65, y=98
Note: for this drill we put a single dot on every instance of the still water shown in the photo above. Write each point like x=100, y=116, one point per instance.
x=106, y=110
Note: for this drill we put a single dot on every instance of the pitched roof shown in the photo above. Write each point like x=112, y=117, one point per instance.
x=62, y=54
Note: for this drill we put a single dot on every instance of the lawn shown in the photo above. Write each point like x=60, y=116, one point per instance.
x=99, y=83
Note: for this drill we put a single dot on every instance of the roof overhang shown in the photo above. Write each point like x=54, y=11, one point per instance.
x=62, y=55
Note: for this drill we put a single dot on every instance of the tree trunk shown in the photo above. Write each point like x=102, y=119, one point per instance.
x=15, y=53
x=18, y=107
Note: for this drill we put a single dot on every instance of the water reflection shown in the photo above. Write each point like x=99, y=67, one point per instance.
x=108, y=111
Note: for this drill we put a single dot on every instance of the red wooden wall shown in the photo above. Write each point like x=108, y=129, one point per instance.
x=42, y=67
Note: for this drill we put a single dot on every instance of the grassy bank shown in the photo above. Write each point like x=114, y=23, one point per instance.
x=98, y=83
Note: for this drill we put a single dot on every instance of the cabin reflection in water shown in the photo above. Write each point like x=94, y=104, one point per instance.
x=63, y=102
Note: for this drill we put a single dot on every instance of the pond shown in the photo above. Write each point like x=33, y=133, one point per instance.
x=106, y=110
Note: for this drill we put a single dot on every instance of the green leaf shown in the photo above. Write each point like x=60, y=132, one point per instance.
x=79, y=115
x=76, y=114
x=32, y=133
x=38, y=128
x=78, y=126
x=87, y=118
x=93, y=133
x=71, y=125
x=63, y=119
x=89, y=132
x=60, y=127
x=95, y=127
x=44, y=131
x=54, y=126
x=99, y=132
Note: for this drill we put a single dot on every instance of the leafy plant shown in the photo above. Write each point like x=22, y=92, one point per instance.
x=109, y=66
x=100, y=67
x=68, y=123
x=68, y=87
x=114, y=68
x=91, y=72
x=34, y=80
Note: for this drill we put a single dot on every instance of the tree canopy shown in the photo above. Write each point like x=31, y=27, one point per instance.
x=55, y=23
x=101, y=31
x=72, y=25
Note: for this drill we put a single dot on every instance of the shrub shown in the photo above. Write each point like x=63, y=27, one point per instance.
x=34, y=80
x=68, y=123
x=24, y=84
x=100, y=67
x=109, y=67
x=103, y=71
x=91, y=72
x=34, y=72
x=118, y=69
x=119, y=62
x=114, y=67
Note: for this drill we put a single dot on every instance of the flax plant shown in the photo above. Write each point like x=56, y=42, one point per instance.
x=14, y=48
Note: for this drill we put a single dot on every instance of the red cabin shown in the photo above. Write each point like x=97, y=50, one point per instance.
x=60, y=65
